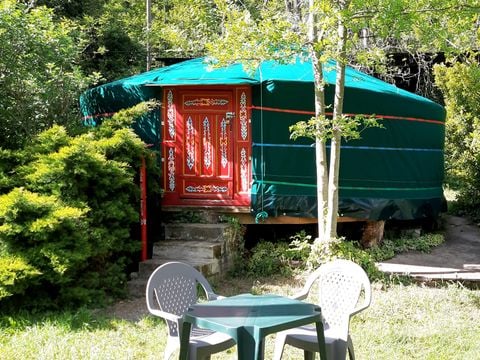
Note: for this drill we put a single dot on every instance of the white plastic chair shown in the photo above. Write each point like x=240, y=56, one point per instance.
x=340, y=286
x=171, y=290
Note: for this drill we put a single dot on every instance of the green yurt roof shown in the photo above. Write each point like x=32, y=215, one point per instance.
x=198, y=72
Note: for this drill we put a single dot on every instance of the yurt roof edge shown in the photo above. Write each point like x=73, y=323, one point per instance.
x=198, y=72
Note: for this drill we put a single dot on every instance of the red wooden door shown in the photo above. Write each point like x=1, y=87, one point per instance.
x=207, y=170
x=206, y=146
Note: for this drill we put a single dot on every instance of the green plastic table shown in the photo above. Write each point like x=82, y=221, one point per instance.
x=248, y=319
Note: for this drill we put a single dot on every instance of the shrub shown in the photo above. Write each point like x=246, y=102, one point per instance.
x=268, y=259
x=281, y=258
x=459, y=84
x=9, y=160
x=234, y=233
x=68, y=229
x=15, y=275
x=325, y=251
x=40, y=76
x=47, y=241
x=299, y=247
x=389, y=247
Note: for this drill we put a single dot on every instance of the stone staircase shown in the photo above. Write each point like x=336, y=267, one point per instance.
x=204, y=246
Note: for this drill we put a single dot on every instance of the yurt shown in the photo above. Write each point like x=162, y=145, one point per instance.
x=224, y=140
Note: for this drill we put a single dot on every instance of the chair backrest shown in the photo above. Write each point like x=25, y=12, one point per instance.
x=172, y=288
x=340, y=286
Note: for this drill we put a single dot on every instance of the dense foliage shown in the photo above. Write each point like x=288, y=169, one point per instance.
x=115, y=38
x=65, y=234
x=459, y=84
x=39, y=79
x=116, y=35
x=267, y=258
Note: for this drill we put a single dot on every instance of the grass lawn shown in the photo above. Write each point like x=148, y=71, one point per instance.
x=403, y=322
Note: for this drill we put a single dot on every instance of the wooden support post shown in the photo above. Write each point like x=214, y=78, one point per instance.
x=143, y=210
x=372, y=233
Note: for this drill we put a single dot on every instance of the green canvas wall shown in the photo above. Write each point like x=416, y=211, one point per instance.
x=103, y=101
x=391, y=173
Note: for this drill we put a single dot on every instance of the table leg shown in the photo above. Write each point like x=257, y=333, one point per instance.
x=308, y=355
x=249, y=346
x=260, y=349
x=321, y=340
x=184, y=340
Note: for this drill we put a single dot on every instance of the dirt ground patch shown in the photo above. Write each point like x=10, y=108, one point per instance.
x=461, y=247
x=134, y=309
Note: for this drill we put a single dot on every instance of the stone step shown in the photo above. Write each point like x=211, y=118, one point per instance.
x=203, y=246
x=193, y=249
x=195, y=232
x=205, y=266
x=136, y=288
x=138, y=283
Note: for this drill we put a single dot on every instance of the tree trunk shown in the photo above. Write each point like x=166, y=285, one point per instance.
x=320, y=146
x=148, y=5
x=333, y=180
x=372, y=233
x=293, y=8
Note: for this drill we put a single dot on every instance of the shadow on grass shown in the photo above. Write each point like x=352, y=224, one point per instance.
x=83, y=319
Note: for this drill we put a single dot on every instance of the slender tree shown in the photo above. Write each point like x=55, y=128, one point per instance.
x=320, y=146
x=333, y=29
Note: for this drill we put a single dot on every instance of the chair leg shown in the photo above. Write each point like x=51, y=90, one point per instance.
x=351, y=353
x=192, y=355
x=170, y=348
x=279, y=346
x=199, y=356
x=308, y=355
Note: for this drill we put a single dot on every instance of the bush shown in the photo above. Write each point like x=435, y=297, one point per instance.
x=9, y=160
x=40, y=76
x=389, y=247
x=459, y=84
x=281, y=258
x=15, y=275
x=68, y=229
x=339, y=248
x=324, y=251
x=299, y=247
x=268, y=259
x=234, y=233
x=44, y=242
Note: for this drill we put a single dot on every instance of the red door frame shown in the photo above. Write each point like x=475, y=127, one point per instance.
x=188, y=186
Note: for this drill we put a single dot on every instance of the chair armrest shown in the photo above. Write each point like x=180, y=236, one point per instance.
x=165, y=315
x=213, y=296
x=359, y=309
x=301, y=295
x=366, y=302
x=362, y=307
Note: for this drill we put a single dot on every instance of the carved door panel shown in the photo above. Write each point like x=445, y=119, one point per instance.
x=207, y=170
x=206, y=146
